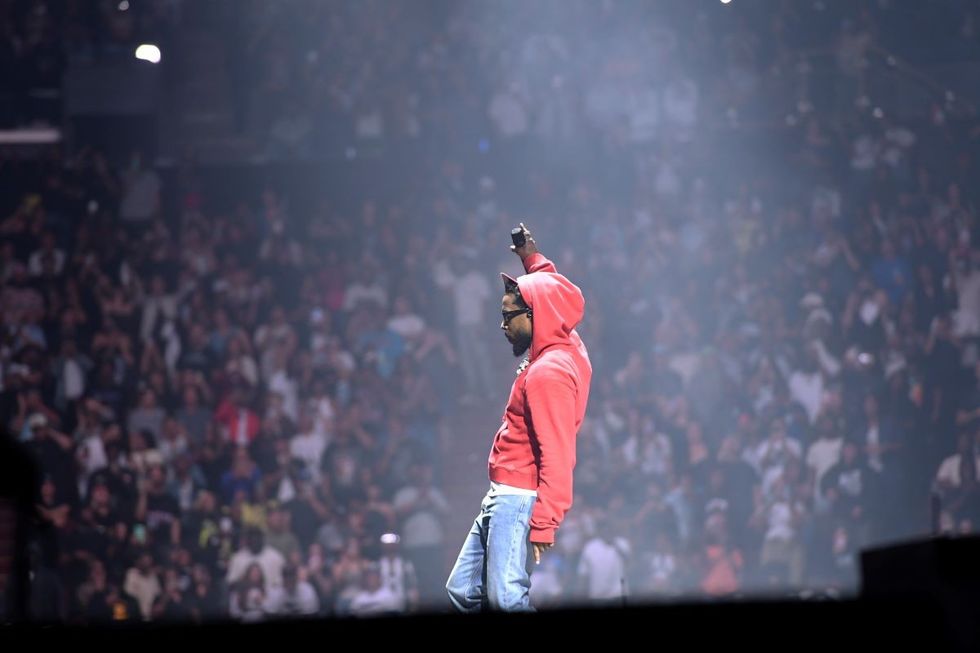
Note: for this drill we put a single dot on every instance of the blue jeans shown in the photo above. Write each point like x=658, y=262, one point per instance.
x=492, y=570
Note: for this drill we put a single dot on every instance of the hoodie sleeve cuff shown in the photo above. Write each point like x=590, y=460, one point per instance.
x=542, y=535
x=532, y=260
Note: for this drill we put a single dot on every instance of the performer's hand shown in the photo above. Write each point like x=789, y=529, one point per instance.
x=539, y=548
x=530, y=247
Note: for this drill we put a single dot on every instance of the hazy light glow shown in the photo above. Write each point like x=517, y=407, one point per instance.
x=148, y=52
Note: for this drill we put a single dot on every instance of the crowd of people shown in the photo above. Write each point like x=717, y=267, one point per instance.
x=241, y=398
x=468, y=72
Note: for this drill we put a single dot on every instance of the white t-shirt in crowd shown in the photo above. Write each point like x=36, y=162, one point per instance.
x=92, y=452
x=323, y=416
x=407, y=326
x=662, y=566
x=546, y=587
x=358, y=292
x=604, y=567
x=807, y=389
x=423, y=526
x=470, y=293
x=780, y=522
x=302, y=601
x=309, y=448
x=287, y=387
x=380, y=601
x=74, y=380
x=270, y=560
x=35, y=264
x=966, y=319
x=822, y=455
x=396, y=574
x=873, y=437
x=770, y=453
x=949, y=470
x=145, y=589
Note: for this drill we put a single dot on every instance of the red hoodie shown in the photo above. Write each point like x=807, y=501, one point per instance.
x=535, y=446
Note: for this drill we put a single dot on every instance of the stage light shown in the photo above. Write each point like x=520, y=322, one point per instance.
x=148, y=52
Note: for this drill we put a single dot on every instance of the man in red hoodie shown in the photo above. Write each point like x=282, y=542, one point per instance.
x=533, y=452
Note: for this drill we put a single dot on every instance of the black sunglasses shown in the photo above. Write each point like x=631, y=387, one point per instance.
x=510, y=315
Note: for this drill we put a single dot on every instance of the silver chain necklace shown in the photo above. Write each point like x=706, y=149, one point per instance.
x=524, y=364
